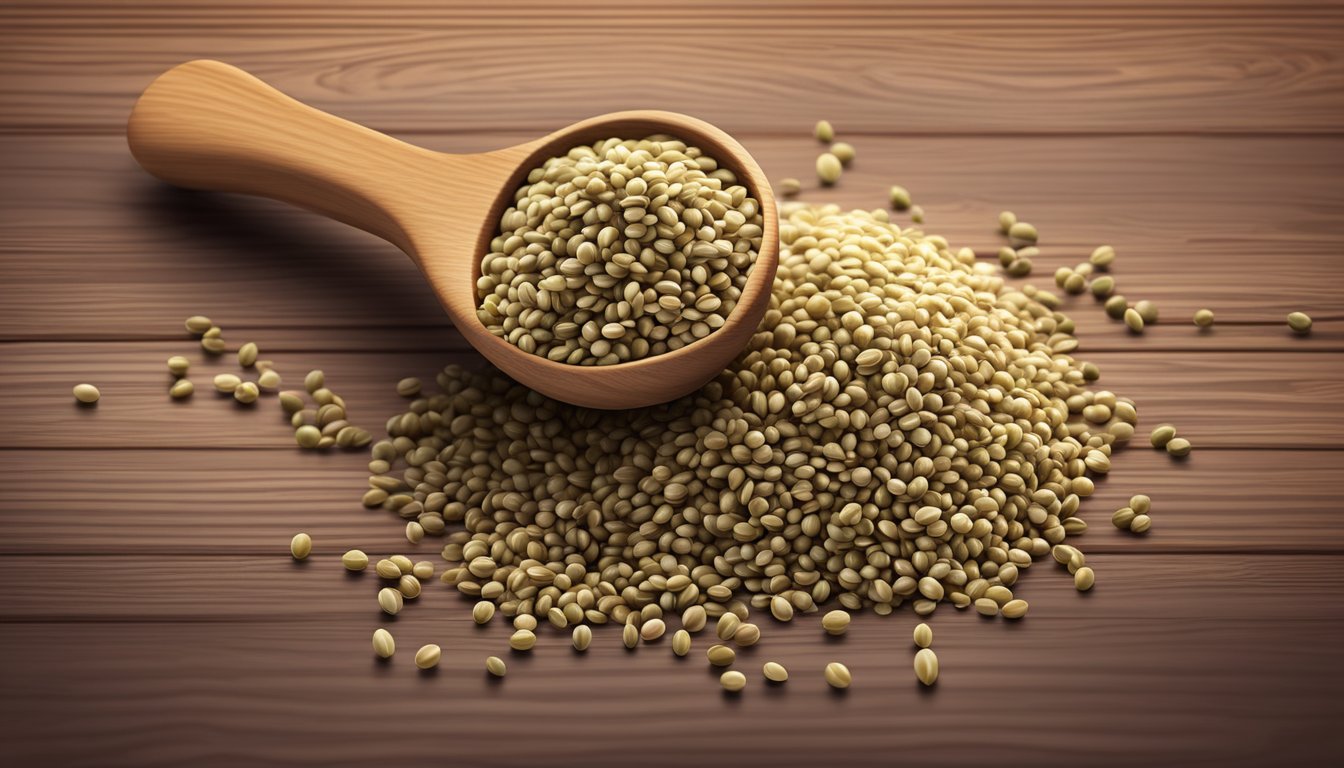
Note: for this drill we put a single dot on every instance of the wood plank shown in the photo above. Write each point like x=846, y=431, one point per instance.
x=275, y=588
x=200, y=502
x=871, y=67
x=1066, y=692
x=1217, y=399
x=94, y=248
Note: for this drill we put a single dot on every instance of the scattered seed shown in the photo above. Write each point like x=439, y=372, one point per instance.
x=390, y=600
x=213, y=344
x=227, y=383
x=1006, y=221
x=87, y=393
x=408, y=387
x=1134, y=320
x=835, y=622
x=1084, y=578
x=300, y=546
x=1116, y=305
x=1123, y=517
x=1178, y=446
x=926, y=661
x=387, y=569
x=409, y=587
x=899, y=197
x=747, y=635
x=727, y=626
x=923, y=635
x=178, y=365
x=247, y=355
x=1140, y=504
x=917, y=214
x=720, y=655
x=246, y=393
x=1102, y=257
x=383, y=644
x=428, y=656
x=733, y=681
x=314, y=381
x=482, y=612
x=630, y=636
x=824, y=132
x=837, y=675
x=269, y=380
x=1140, y=524
x=789, y=187
x=582, y=637
x=355, y=560
x=525, y=621
x=1147, y=310
x=1161, y=435
x=495, y=666
x=694, y=618
x=199, y=324
x=291, y=402
x=652, y=630
x=1204, y=318
x=844, y=151
x=522, y=640
x=1102, y=287
x=681, y=642
x=1014, y=609
x=308, y=436
x=423, y=570
x=829, y=168
x=775, y=672
x=1021, y=233
x=1299, y=322
x=181, y=389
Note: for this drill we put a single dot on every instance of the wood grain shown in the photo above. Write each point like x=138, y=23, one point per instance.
x=1248, y=227
x=872, y=67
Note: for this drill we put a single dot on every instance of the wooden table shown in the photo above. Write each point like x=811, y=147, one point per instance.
x=152, y=615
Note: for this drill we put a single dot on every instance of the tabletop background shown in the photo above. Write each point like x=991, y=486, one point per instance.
x=151, y=614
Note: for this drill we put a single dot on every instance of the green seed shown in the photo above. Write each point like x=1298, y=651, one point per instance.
x=790, y=187
x=1102, y=257
x=408, y=387
x=837, y=675
x=178, y=365
x=1140, y=524
x=1116, y=306
x=247, y=355
x=1020, y=268
x=428, y=656
x=844, y=151
x=314, y=381
x=1008, y=256
x=1083, y=579
x=1147, y=310
x=720, y=655
x=1161, y=435
x=1103, y=286
x=917, y=214
x=926, y=665
x=1299, y=322
x=1075, y=283
x=1140, y=503
x=775, y=672
x=291, y=402
x=582, y=637
x=836, y=622
x=300, y=546
x=899, y=197
x=1022, y=233
x=383, y=644
x=1123, y=517
x=199, y=324
x=355, y=560
x=1014, y=609
x=1134, y=320
x=390, y=600
x=181, y=389
x=308, y=436
x=681, y=642
x=829, y=168
x=246, y=393
x=824, y=132
x=1204, y=318
x=1006, y=221
x=1178, y=446
x=495, y=666
x=923, y=635
x=733, y=681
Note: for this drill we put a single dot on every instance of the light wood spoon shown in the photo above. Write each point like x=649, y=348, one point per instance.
x=208, y=125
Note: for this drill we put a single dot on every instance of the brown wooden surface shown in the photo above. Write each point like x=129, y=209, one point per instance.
x=152, y=616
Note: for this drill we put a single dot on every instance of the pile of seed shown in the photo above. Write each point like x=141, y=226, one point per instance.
x=618, y=251
x=904, y=429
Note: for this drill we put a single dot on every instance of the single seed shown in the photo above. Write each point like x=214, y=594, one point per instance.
x=917, y=214
x=383, y=644
x=790, y=186
x=1102, y=287
x=694, y=618
x=727, y=626
x=409, y=587
x=495, y=666
x=582, y=637
x=269, y=380
x=837, y=675
x=829, y=168
x=227, y=383
x=844, y=151
x=747, y=635
x=630, y=636
x=1006, y=221
x=522, y=640
x=775, y=672
x=423, y=570
x=199, y=324
x=482, y=612
x=1084, y=578
x=681, y=642
x=314, y=381
x=926, y=663
x=390, y=600
x=1102, y=257
x=1020, y=268
x=652, y=630
x=525, y=621
x=415, y=532
x=1178, y=446
x=307, y=436
x=1147, y=310
x=1134, y=320
x=1022, y=233
x=246, y=393
x=923, y=635
x=387, y=569
x=1299, y=322
x=1140, y=524
x=1140, y=503
x=1204, y=318
x=1116, y=306
x=291, y=402
x=300, y=546
x=733, y=681
x=181, y=389
x=247, y=354
x=213, y=344
x=720, y=655
x=1161, y=435
x=355, y=560
x=835, y=622
x=408, y=387
x=1123, y=517
x=899, y=197
x=1014, y=609
x=178, y=365
x=824, y=132
x=781, y=608
x=428, y=656
x=1075, y=283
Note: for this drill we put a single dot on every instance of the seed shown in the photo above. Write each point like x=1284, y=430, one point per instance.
x=1140, y=524
x=733, y=681
x=1140, y=504
x=314, y=381
x=727, y=626
x=291, y=402
x=583, y=637
x=383, y=644
x=522, y=640
x=1020, y=268
x=269, y=380
x=408, y=387
x=415, y=532
x=899, y=197
x=386, y=569
x=86, y=393
x=409, y=587
x=747, y=635
x=986, y=607
x=837, y=675
x=355, y=560
x=482, y=612
x=923, y=635
x=247, y=354
x=781, y=608
x=694, y=618
x=199, y=324
x=829, y=168
x=390, y=600
x=246, y=393
x=1084, y=578
x=1147, y=310
x=422, y=570
x=428, y=656
x=403, y=563
x=1006, y=221
x=775, y=672
x=1204, y=318
x=1178, y=446
x=1103, y=286
x=300, y=546
x=790, y=186
x=720, y=655
x=307, y=436
x=1161, y=435
x=227, y=382
x=917, y=214
x=1075, y=283
x=926, y=662
x=495, y=666
x=1134, y=320
x=1102, y=257
x=181, y=389
x=630, y=636
x=1116, y=306
x=681, y=642
x=843, y=151
x=1007, y=256
x=652, y=630
x=525, y=621
x=835, y=622
x=212, y=344
x=824, y=132
x=1014, y=609
x=1123, y=517
x=1299, y=322
x=178, y=365
x=1021, y=233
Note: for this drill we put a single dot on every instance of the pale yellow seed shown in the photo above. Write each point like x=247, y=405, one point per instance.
x=917, y=214
x=1147, y=310
x=844, y=151
x=630, y=636
x=428, y=656
x=300, y=546
x=1140, y=503
x=926, y=666
x=1161, y=435
x=1178, y=446
x=269, y=380
x=1141, y=524
x=694, y=618
x=775, y=672
x=522, y=640
x=314, y=381
x=837, y=675
x=681, y=642
x=355, y=560
x=781, y=608
x=199, y=324
x=408, y=387
x=923, y=635
x=423, y=570
x=652, y=630
x=291, y=402
x=178, y=365
x=383, y=644
x=747, y=635
x=899, y=197
x=1084, y=578
x=387, y=569
x=1300, y=322
x=308, y=436
x=482, y=612
x=390, y=600
x=1022, y=233
x=1134, y=320
x=213, y=345
x=835, y=622
x=246, y=393
x=409, y=587
x=496, y=666
x=733, y=681
x=1015, y=609
x=227, y=382
x=1006, y=221
x=727, y=626
x=1204, y=318
x=824, y=132
x=181, y=389
x=790, y=187
x=583, y=637
x=720, y=655
x=247, y=355
x=829, y=168
x=525, y=621
x=1102, y=257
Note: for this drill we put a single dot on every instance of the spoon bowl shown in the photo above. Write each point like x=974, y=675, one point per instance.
x=207, y=125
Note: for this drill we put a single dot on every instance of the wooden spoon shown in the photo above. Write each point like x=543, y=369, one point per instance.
x=207, y=125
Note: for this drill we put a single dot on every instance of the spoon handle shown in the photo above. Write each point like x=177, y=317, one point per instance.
x=207, y=125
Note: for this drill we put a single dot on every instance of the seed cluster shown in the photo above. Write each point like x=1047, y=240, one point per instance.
x=619, y=251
